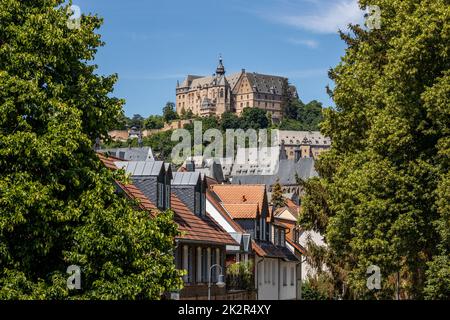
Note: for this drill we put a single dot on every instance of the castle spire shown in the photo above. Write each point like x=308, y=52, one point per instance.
x=220, y=68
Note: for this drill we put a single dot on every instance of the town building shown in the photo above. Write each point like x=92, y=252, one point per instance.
x=243, y=210
x=200, y=249
x=218, y=93
x=302, y=144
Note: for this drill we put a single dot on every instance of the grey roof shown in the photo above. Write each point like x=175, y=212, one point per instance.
x=140, y=168
x=263, y=83
x=131, y=154
x=287, y=170
x=214, y=171
x=185, y=178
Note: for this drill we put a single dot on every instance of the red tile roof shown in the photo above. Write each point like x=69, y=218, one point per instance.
x=240, y=201
x=195, y=228
x=242, y=211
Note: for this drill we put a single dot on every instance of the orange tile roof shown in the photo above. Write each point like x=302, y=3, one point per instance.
x=242, y=211
x=235, y=193
x=215, y=203
x=240, y=201
x=108, y=161
x=258, y=250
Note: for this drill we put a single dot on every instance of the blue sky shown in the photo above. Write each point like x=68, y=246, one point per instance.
x=152, y=44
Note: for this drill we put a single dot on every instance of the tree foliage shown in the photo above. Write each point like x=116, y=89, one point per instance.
x=384, y=198
x=169, y=112
x=58, y=203
x=277, y=198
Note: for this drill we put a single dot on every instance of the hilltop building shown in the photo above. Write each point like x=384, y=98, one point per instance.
x=216, y=94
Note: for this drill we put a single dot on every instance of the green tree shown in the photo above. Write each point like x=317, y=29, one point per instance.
x=277, y=199
x=310, y=115
x=58, y=203
x=137, y=121
x=160, y=143
x=229, y=120
x=254, y=118
x=154, y=122
x=384, y=187
x=169, y=112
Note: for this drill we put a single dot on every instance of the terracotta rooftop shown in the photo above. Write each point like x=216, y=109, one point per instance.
x=235, y=194
x=242, y=211
x=240, y=201
x=196, y=228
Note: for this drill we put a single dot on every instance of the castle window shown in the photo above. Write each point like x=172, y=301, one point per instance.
x=221, y=93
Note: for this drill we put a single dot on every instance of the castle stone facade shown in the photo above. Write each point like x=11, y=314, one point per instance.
x=219, y=93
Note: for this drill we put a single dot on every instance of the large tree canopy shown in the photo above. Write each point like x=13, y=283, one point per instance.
x=58, y=204
x=384, y=197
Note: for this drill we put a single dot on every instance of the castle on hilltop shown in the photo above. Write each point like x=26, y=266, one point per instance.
x=216, y=94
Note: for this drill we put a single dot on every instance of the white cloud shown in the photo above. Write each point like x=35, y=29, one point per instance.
x=327, y=18
x=308, y=43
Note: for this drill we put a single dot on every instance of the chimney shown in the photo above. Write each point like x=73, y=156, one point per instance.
x=243, y=70
x=190, y=165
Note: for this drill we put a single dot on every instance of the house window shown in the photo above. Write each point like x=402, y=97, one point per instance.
x=282, y=239
x=197, y=203
x=199, y=264
x=204, y=265
x=203, y=204
x=260, y=274
x=292, y=276
x=284, y=276
x=185, y=263
x=273, y=272
x=213, y=262
x=167, y=197
x=160, y=195
x=276, y=236
x=265, y=271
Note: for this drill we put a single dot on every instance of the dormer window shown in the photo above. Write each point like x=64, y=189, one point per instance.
x=160, y=195
x=167, y=196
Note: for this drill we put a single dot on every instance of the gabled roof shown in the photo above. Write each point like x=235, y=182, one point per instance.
x=240, y=194
x=297, y=247
x=194, y=228
x=268, y=249
x=188, y=178
x=286, y=174
x=242, y=211
x=134, y=193
x=240, y=201
x=141, y=168
x=131, y=154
